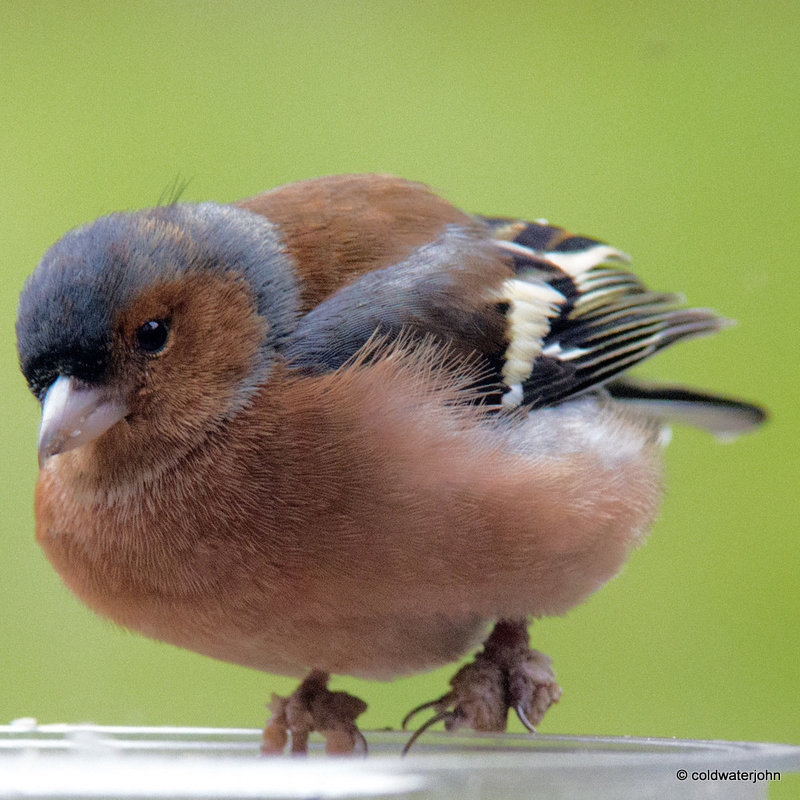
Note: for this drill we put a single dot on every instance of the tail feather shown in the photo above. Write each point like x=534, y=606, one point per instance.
x=725, y=417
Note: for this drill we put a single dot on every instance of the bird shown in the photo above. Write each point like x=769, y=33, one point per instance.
x=343, y=427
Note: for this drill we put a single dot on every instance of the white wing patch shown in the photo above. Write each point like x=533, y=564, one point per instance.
x=578, y=262
x=532, y=303
x=555, y=350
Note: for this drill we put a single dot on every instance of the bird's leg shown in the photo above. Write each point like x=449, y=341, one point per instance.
x=313, y=707
x=505, y=674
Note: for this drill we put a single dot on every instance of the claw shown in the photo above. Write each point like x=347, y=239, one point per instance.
x=523, y=718
x=360, y=747
x=442, y=715
x=414, y=711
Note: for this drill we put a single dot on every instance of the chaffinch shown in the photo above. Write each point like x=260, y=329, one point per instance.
x=343, y=427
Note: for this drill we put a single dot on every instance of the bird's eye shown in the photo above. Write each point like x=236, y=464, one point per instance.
x=152, y=336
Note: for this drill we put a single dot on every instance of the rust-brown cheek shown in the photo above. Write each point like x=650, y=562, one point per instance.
x=177, y=396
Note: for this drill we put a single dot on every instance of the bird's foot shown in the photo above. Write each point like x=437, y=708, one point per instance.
x=505, y=674
x=313, y=707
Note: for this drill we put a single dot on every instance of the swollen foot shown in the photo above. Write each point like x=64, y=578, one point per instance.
x=313, y=707
x=505, y=675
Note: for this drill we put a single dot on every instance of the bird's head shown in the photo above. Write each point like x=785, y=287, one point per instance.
x=161, y=322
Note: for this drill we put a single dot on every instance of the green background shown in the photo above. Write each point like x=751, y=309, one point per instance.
x=669, y=129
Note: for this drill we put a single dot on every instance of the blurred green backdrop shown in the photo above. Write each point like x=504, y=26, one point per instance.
x=669, y=129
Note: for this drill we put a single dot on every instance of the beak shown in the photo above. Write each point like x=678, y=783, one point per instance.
x=74, y=414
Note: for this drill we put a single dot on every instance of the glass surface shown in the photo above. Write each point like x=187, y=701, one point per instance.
x=85, y=761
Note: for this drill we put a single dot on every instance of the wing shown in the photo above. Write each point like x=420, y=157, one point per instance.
x=609, y=320
x=453, y=290
x=551, y=314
